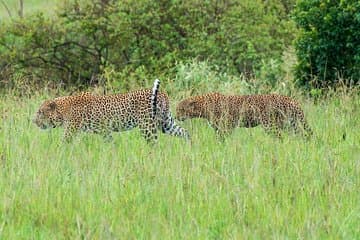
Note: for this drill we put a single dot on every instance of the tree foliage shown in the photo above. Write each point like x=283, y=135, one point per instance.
x=328, y=47
x=85, y=37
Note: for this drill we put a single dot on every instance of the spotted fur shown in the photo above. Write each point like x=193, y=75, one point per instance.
x=147, y=109
x=154, y=94
x=224, y=113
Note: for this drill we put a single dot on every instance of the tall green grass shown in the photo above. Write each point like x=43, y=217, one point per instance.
x=250, y=186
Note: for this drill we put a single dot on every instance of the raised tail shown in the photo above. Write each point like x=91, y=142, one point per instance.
x=154, y=95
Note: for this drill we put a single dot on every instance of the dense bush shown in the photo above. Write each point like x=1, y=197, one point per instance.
x=72, y=48
x=145, y=38
x=328, y=47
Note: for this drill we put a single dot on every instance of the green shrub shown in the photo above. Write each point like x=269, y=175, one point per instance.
x=72, y=48
x=328, y=46
x=145, y=38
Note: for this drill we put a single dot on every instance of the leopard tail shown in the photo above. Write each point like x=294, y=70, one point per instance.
x=154, y=95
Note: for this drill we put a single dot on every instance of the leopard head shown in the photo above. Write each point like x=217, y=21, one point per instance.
x=48, y=115
x=189, y=108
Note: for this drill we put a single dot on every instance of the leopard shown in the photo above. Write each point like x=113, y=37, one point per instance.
x=146, y=109
x=224, y=113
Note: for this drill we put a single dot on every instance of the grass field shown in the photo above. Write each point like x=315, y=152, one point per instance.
x=250, y=186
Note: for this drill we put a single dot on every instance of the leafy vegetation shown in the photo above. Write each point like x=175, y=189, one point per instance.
x=84, y=40
x=328, y=46
x=144, y=37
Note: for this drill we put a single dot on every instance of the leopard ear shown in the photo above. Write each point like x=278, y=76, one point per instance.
x=52, y=105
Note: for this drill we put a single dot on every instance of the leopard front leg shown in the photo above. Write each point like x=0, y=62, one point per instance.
x=70, y=129
x=223, y=128
x=104, y=129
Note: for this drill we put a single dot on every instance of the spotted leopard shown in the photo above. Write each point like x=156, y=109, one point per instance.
x=224, y=113
x=147, y=109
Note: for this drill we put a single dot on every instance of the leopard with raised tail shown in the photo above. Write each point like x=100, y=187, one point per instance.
x=147, y=109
